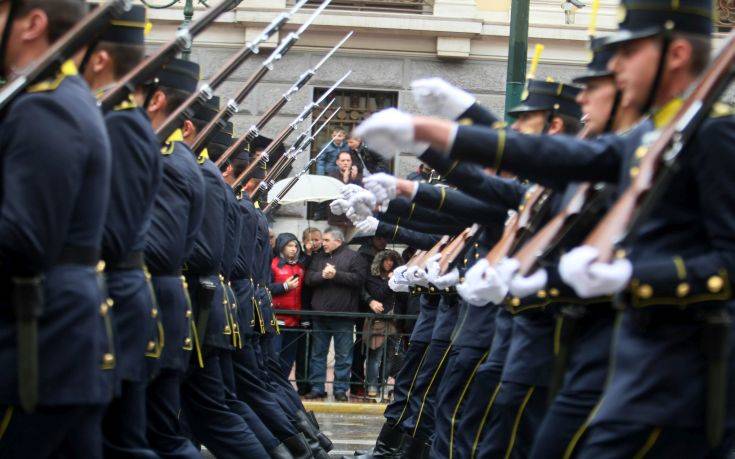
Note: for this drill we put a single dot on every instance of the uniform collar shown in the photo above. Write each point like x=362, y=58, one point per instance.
x=67, y=69
x=665, y=114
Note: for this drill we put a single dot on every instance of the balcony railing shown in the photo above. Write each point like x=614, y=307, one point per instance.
x=725, y=13
x=384, y=6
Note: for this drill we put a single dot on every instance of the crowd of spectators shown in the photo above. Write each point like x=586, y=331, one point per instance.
x=322, y=274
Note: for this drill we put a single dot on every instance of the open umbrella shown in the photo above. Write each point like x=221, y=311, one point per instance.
x=309, y=188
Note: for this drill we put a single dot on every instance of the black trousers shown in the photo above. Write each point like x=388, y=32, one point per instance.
x=58, y=432
x=210, y=419
x=163, y=406
x=124, y=424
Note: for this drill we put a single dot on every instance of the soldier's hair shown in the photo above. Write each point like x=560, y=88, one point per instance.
x=238, y=166
x=571, y=125
x=701, y=50
x=335, y=232
x=124, y=56
x=62, y=14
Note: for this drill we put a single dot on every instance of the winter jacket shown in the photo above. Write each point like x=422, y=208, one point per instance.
x=281, y=271
x=376, y=289
x=328, y=160
x=341, y=293
x=364, y=158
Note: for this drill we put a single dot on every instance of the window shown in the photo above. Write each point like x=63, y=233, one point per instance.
x=385, y=6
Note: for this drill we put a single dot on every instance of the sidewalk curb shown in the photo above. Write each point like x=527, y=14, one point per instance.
x=345, y=408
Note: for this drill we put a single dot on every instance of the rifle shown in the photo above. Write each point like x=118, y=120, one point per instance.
x=275, y=204
x=301, y=143
x=206, y=91
x=423, y=257
x=661, y=163
x=458, y=247
x=146, y=70
x=521, y=223
x=64, y=48
x=255, y=129
x=233, y=105
x=281, y=137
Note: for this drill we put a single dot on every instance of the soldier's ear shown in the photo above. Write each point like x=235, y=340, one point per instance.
x=188, y=129
x=556, y=126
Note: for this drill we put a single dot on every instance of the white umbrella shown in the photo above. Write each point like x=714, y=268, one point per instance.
x=309, y=188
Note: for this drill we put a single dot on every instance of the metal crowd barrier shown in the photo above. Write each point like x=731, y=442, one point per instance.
x=393, y=346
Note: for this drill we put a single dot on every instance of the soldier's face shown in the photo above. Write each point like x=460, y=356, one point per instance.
x=596, y=100
x=530, y=123
x=26, y=34
x=634, y=64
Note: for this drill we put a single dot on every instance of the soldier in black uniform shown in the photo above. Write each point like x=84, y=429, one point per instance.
x=177, y=216
x=55, y=190
x=136, y=162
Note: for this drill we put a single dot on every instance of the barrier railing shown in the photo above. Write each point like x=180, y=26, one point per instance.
x=376, y=352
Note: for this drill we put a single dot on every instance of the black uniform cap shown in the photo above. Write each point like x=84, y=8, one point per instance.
x=260, y=143
x=549, y=95
x=179, y=74
x=128, y=29
x=223, y=136
x=597, y=67
x=206, y=112
x=646, y=18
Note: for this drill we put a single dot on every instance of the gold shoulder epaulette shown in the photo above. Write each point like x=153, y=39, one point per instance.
x=465, y=122
x=203, y=157
x=68, y=68
x=499, y=125
x=126, y=105
x=721, y=109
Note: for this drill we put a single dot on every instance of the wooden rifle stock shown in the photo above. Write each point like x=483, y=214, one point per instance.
x=458, y=247
x=517, y=222
x=659, y=162
x=82, y=33
x=528, y=255
x=146, y=70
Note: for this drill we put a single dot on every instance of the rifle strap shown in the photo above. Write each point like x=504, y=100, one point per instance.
x=666, y=37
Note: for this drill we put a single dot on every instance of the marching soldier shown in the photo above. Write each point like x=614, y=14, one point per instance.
x=55, y=190
x=177, y=216
x=136, y=162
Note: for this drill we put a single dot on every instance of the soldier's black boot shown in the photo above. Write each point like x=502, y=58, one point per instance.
x=298, y=447
x=280, y=452
x=413, y=448
x=387, y=444
x=307, y=430
x=307, y=423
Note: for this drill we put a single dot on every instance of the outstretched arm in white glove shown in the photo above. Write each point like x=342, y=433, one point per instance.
x=367, y=227
x=436, y=97
x=390, y=132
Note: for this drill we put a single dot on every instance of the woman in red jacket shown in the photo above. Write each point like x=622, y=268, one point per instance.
x=287, y=274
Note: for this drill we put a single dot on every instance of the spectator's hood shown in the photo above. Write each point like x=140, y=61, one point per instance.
x=285, y=238
x=382, y=255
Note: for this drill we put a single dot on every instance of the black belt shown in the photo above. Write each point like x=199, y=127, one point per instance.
x=174, y=273
x=131, y=261
x=78, y=256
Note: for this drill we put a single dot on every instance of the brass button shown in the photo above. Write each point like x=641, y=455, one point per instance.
x=521, y=207
x=151, y=345
x=620, y=253
x=554, y=292
x=477, y=255
x=645, y=291
x=154, y=313
x=640, y=152
x=108, y=359
x=715, y=284
x=541, y=294
x=234, y=327
x=228, y=330
x=104, y=309
x=682, y=289
x=187, y=342
x=100, y=266
x=188, y=314
x=515, y=301
x=431, y=289
x=634, y=171
x=110, y=302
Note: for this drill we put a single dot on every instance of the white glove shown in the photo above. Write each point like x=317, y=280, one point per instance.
x=507, y=268
x=589, y=278
x=395, y=286
x=417, y=276
x=349, y=190
x=367, y=227
x=382, y=185
x=399, y=275
x=482, y=285
x=390, y=132
x=339, y=206
x=436, y=97
x=441, y=282
x=523, y=286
